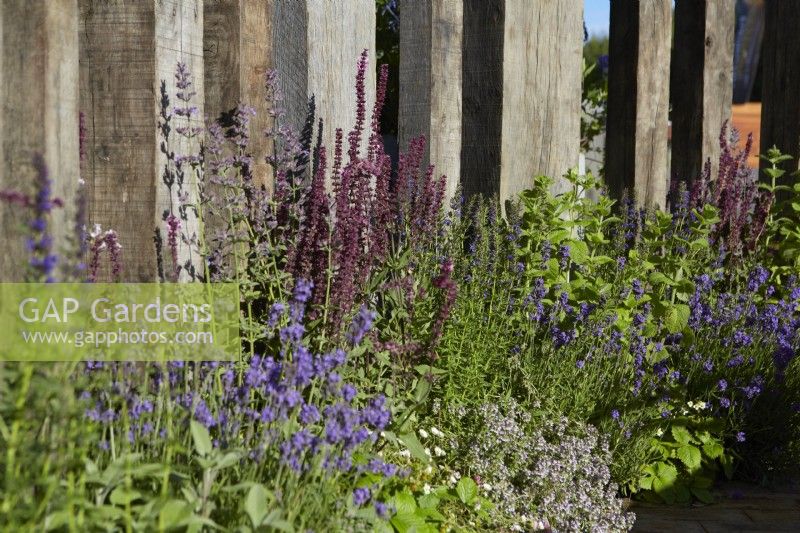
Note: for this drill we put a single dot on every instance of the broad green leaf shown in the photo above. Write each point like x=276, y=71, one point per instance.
x=690, y=456
x=677, y=318
x=681, y=434
x=664, y=490
x=123, y=496
x=405, y=503
x=409, y=522
x=422, y=390
x=713, y=449
x=578, y=252
x=255, y=505
x=428, y=501
x=57, y=520
x=467, y=490
x=658, y=278
x=665, y=472
x=173, y=513
x=201, y=438
x=229, y=459
x=414, y=446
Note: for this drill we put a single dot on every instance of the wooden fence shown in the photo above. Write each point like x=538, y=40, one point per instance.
x=494, y=85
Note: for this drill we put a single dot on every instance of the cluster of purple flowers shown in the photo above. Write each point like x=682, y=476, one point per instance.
x=289, y=410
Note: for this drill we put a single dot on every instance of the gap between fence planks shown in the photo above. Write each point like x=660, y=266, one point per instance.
x=701, y=84
x=512, y=112
x=638, y=100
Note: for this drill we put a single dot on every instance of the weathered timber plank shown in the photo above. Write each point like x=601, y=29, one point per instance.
x=337, y=34
x=237, y=53
x=638, y=100
x=780, y=57
x=39, y=114
x=127, y=49
x=430, y=82
x=482, y=97
x=541, y=92
x=521, y=94
x=701, y=83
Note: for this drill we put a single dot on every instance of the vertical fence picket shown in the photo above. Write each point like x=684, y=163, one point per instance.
x=495, y=85
x=127, y=50
x=701, y=83
x=237, y=52
x=38, y=112
x=338, y=32
x=638, y=99
x=430, y=81
x=780, y=57
x=542, y=53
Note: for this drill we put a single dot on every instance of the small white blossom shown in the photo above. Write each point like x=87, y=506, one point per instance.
x=435, y=432
x=404, y=453
x=439, y=452
x=423, y=433
x=426, y=489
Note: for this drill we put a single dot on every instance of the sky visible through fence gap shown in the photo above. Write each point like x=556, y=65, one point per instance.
x=596, y=14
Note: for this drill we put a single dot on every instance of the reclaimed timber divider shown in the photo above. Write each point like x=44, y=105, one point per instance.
x=780, y=58
x=313, y=45
x=638, y=100
x=701, y=84
x=127, y=50
x=495, y=86
x=39, y=112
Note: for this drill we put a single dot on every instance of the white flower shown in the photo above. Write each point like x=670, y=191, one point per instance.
x=423, y=433
x=452, y=479
x=405, y=453
x=429, y=469
x=700, y=406
x=426, y=489
x=428, y=452
x=436, y=433
x=659, y=432
x=487, y=487
x=439, y=452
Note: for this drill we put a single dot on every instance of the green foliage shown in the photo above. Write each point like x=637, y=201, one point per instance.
x=691, y=455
